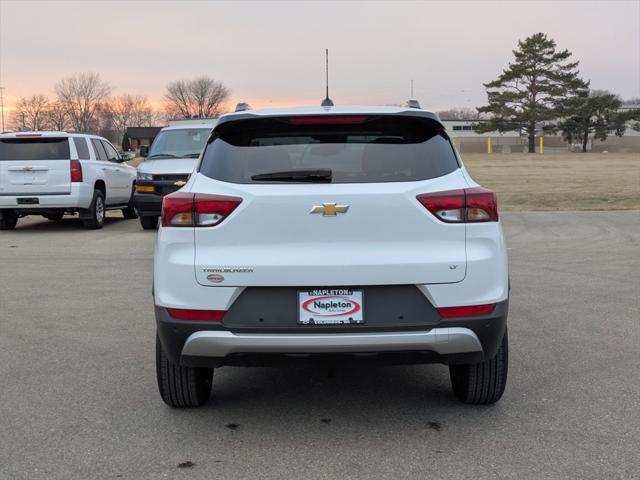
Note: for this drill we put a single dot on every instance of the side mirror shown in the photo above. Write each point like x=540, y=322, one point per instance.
x=144, y=151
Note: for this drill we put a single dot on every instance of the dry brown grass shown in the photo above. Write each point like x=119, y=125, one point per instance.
x=135, y=162
x=591, y=181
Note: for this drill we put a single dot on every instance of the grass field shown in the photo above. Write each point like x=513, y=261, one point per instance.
x=591, y=181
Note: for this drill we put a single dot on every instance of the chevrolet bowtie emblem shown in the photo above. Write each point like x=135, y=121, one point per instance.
x=180, y=183
x=329, y=209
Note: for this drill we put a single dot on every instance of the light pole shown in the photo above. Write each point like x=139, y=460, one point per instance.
x=2, y=108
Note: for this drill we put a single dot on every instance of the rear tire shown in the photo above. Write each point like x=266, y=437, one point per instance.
x=149, y=223
x=8, y=220
x=181, y=387
x=130, y=212
x=482, y=383
x=96, y=211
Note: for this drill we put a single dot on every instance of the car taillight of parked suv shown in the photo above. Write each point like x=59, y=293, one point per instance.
x=338, y=234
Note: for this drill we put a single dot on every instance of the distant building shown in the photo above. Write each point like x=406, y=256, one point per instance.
x=139, y=136
x=465, y=128
x=468, y=140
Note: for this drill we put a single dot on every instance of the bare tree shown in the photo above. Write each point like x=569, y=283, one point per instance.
x=202, y=97
x=177, y=99
x=30, y=113
x=57, y=117
x=130, y=111
x=460, y=114
x=81, y=95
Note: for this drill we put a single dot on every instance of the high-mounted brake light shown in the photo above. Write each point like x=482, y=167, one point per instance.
x=27, y=135
x=76, y=171
x=462, y=206
x=183, y=209
x=466, y=311
x=329, y=120
x=202, y=315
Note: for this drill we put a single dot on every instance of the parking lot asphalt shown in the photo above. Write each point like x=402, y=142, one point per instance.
x=78, y=397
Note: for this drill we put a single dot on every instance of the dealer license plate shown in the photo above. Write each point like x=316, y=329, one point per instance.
x=330, y=307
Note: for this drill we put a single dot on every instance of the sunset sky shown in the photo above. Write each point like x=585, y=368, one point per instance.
x=272, y=53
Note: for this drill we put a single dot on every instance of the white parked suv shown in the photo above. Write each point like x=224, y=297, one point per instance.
x=53, y=173
x=338, y=233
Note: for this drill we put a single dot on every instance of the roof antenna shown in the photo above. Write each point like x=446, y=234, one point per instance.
x=412, y=102
x=243, y=106
x=327, y=102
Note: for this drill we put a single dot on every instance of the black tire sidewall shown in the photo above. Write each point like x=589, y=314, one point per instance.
x=8, y=221
x=181, y=387
x=130, y=212
x=92, y=222
x=149, y=222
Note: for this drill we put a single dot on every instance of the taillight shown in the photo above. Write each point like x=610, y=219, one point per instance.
x=466, y=311
x=462, y=206
x=202, y=315
x=182, y=209
x=76, y=171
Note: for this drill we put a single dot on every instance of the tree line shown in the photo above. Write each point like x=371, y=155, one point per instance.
x=83, y=103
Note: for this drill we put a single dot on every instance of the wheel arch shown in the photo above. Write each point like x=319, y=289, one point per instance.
x=102, y=186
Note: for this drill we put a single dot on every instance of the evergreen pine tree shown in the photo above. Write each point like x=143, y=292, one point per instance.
x=537, y=87
x=596, y=114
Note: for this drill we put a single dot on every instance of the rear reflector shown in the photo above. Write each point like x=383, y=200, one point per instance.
x=467, y=311
x=182, y=209
x=76, y=171
x=467, y=205
x=202, y=315
x=326, y=120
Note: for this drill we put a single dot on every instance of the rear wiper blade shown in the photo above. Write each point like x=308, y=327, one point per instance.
x=318, y=175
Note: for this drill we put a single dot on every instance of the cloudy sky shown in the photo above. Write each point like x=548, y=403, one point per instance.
x=272, y=53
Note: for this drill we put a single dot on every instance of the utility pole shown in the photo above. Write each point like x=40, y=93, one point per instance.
x=2, y=108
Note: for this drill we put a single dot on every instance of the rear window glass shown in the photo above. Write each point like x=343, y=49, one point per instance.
x=51, y=148
x=370, y=149
x=82, y=148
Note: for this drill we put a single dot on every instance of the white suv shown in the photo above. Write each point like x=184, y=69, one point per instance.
x=53, y=173
x=341, y=233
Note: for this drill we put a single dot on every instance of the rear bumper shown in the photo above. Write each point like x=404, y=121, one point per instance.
x=438, y=340
x=80, y=196
x=465, y=340
x=147, y=204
